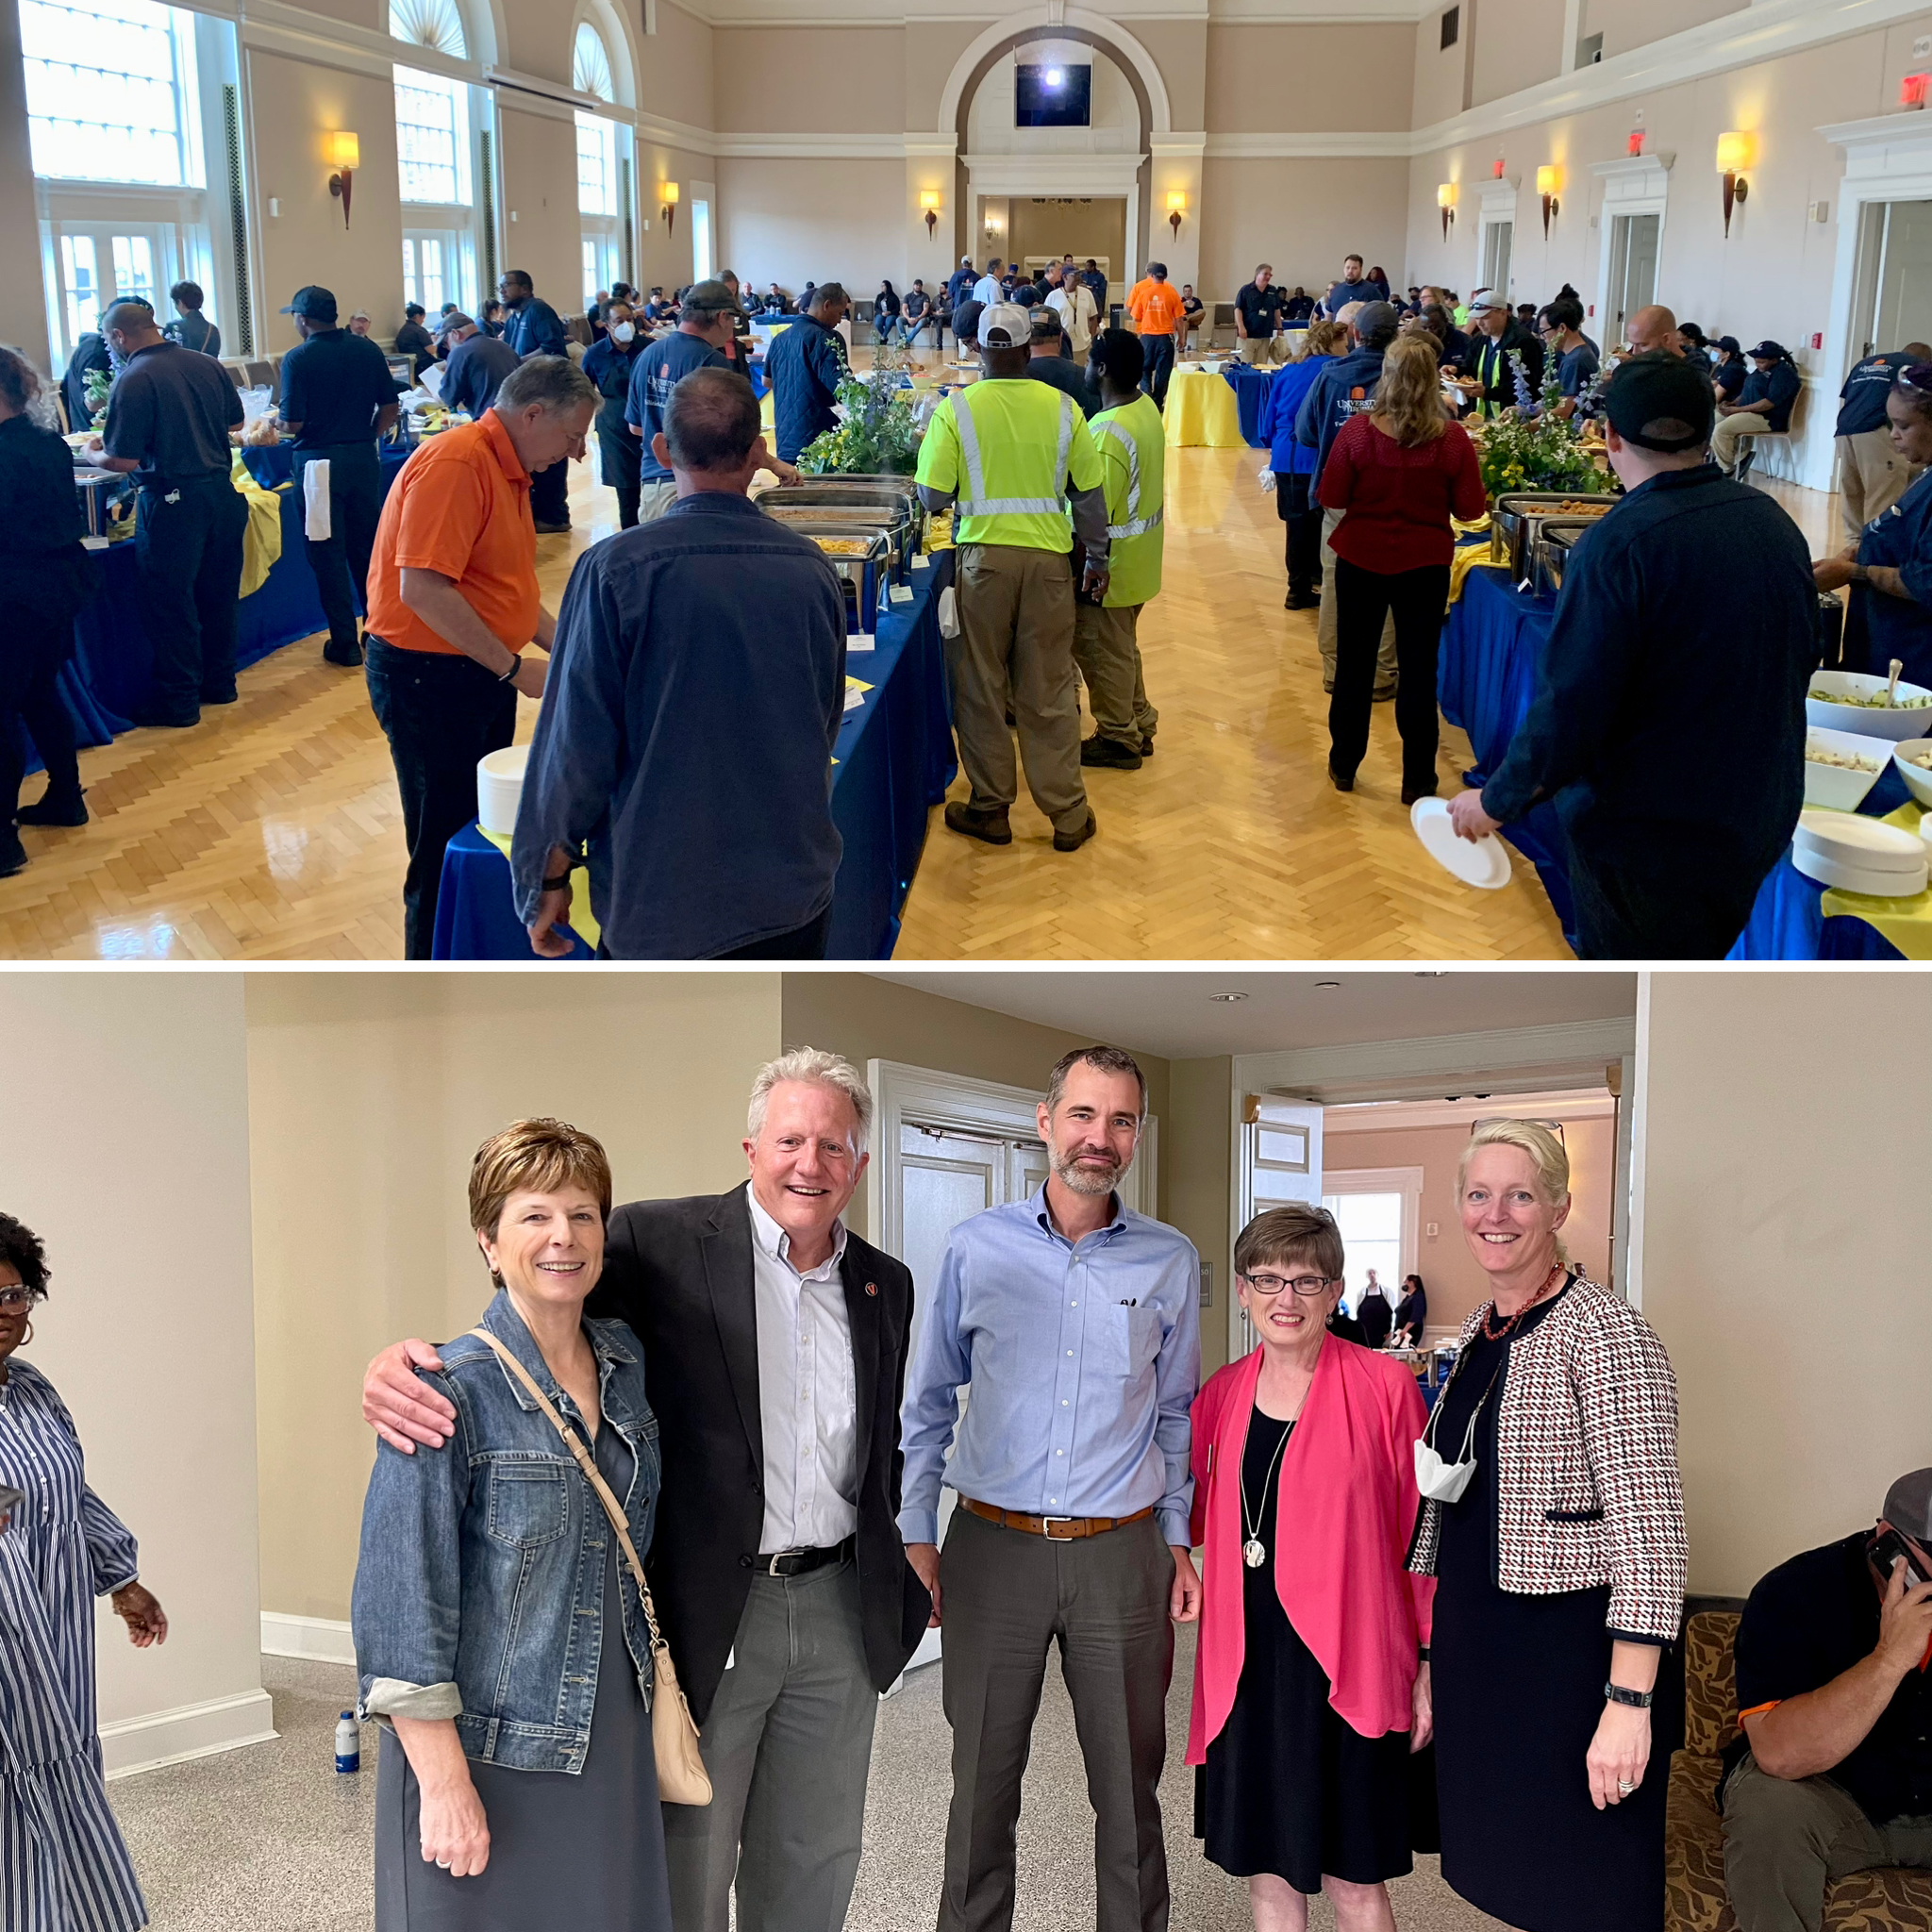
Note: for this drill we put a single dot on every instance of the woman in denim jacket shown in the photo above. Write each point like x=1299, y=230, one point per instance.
x=498, y=1635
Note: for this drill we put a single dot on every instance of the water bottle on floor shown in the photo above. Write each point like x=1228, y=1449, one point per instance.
x=348, y=1742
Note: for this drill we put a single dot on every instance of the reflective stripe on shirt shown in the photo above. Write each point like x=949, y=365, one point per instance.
x=974, y=501
x=1136, y=526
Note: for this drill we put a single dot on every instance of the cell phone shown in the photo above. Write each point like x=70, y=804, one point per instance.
x=1886, y=1550
x=10, y=1500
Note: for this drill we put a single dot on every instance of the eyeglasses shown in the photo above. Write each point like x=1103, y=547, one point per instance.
x=1302, y=1284
x=14, y=1299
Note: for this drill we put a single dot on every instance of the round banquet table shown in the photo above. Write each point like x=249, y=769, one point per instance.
x=892, y=764
x=1202, y=412
x=1492, y=641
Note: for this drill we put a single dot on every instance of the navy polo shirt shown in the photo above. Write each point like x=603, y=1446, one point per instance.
x=1863, y=399
x=333, y=384
x=171, y=410
x=1778, y=385
x=475, y=372
x=658, y=370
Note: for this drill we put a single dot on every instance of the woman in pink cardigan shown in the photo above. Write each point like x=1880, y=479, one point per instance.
x=1311, y=1679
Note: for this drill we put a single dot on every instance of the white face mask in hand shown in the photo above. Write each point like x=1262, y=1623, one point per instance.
x=621, y=331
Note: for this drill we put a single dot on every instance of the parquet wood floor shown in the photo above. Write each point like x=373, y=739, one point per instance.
x=271, y=830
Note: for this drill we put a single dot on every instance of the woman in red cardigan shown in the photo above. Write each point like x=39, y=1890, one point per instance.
x=1311, y=1678
x=1398, y=475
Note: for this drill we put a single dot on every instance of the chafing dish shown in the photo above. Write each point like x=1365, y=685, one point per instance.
x=106, y=498
x=865, y=552
x=886, y=502
x=1519, y=512
x=1556, y=543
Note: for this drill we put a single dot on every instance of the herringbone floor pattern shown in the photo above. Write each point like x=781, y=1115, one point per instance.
x=271, y=830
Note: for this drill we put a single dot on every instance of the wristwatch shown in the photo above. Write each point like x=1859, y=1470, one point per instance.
x=1638, y=1700
x=557, y=884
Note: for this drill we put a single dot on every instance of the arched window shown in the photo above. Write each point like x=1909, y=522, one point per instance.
x=434, y=23
x=600, y=191
x=433, y=158
x=590, y=65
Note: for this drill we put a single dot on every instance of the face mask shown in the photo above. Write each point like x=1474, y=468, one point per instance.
x=1444, y=1482
x=621, y=331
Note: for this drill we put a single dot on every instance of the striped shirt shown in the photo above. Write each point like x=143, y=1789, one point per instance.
x=63, y=1864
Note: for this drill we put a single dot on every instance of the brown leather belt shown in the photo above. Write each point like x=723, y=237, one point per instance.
x=1057, y=1529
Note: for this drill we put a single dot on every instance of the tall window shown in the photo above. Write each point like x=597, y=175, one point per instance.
x=422, y=271
x=596, y=165
x=432, y=139
x=110, y=90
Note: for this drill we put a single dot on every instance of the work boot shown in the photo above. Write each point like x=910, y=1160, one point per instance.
x=13, y=853
x=1146, y=744
x=1072, y=841
x=55, y=808
x=969, y=822
x=349, y=656
x=1099, y=750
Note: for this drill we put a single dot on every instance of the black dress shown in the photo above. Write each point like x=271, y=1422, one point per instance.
x=1517, y=1683
x=1290, y=1787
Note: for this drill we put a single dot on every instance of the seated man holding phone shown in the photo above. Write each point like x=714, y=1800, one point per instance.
x=1832, y=1771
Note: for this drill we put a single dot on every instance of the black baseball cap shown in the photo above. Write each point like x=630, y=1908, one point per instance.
x=1768, y=351
x=1659, y=402
x=313, y=304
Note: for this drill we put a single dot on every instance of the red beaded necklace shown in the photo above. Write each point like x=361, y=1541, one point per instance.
x=1490, y=1333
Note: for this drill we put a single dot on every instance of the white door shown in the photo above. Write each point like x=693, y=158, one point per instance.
x=1633, y=268
x=1904, y=311
x=1497, y=237
x=1281, y=1161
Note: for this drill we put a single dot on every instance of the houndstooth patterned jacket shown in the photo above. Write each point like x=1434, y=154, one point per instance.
x=1588, y=1490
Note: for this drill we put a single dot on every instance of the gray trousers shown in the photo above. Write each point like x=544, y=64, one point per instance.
x=1006, y=1598
x=1328, y=626
x=1785, y=1839
x=787, y=1743
x=1108, y=651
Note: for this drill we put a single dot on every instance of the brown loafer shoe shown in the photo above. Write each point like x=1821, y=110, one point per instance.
x=991, y=826
x=1072, y=841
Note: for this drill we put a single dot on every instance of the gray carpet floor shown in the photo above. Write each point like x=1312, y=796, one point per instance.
x=270, y=1839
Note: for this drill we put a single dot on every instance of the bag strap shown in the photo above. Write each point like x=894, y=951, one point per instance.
x=592, y=1474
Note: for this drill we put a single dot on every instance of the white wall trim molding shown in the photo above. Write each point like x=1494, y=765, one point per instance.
x=730, y=13
x=806, y=147
x=1635, y=174
x=190, y=1730
x=317, y=1640
x=1638, y=1097
x=1339, y=1122
x=1513, y=1057
x=1052, y=174
x=1109, y=33
x=1301, y=147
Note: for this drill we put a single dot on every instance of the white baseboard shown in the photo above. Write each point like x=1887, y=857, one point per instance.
x=319, y=1640
x=191, y=1730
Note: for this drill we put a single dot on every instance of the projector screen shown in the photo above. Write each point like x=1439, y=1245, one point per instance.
x=1051, y=95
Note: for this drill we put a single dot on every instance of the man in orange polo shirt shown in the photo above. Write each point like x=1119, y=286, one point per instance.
x=1157, y=309
x=452, y=603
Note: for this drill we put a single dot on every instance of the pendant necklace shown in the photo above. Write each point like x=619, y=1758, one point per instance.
x=1253, y=1551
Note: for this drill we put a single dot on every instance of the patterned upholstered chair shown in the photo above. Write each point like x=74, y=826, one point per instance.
x=1695, y=1899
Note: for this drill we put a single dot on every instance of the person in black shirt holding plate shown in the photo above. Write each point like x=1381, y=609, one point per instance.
x=338, y=398
x=1832, y=1770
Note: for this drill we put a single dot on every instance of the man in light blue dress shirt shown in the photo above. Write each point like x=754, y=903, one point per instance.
x=1074, y=1322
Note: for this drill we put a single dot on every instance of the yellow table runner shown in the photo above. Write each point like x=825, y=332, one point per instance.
x=1906, y=923
x=1468, y=557
x=261, y=543
x=1202, y=412
x=583, y=922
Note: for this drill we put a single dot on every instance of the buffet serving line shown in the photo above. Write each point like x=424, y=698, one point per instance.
x=892, y=764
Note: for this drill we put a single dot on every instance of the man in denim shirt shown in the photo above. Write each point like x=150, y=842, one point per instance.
x=1075, y=1323
x=697, y=689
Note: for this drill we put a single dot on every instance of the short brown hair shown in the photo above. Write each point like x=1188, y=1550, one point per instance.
x=1298, y=1232
x=1104, y=1060
x=538, y=1156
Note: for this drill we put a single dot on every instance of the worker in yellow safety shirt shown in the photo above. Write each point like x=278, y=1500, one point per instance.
x=1014, y=452
x=1132, y=441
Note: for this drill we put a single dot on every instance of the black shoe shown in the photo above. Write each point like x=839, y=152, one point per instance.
x=990, y=826
x=348, y=659
x=1109, y=751
x=52, y=809
x=1072, y=841
x=1386, y=697
x=553, y=529
x=221, y=698
x=12, y=857
x=1301, y=600
x=1336, y=780
x=1146, y=744
x=166, y=720
x=1410, y=797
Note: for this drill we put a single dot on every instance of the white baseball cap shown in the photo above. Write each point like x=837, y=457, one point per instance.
x=1012, y=323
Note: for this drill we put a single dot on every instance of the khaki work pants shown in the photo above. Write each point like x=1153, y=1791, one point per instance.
x=654, y=499
x=1872, y=476
x=1327, y=625
x=1106, y=648
x=1725, y=438
x=1016, y=634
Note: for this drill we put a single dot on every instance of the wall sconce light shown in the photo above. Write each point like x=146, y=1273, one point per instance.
x=1733, y=157
x=1445, y=200
x=343, y=153
x=667, y=209
x=1548, y=181
x=1176, y=207
x=929, y=201
x=1912, y=89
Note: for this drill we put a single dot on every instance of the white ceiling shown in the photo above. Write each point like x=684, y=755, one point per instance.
x=1170, y=1013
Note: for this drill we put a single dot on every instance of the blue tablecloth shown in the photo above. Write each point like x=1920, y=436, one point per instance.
x=894, y=762
x=274, y=464
x=1251, y=387
x=1492, y=643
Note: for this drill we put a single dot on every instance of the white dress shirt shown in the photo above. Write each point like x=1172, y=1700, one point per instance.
x=808, y=1394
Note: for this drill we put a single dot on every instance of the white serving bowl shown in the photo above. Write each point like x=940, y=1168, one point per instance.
x=1838, y=787
x=500, y=788
x=1918, y=777
x=1859, y=719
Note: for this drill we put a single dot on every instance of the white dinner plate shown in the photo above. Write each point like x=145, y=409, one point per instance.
x=1483, y=863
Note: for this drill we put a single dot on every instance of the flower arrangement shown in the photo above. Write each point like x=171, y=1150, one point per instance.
x=877, y=434
x=1539, y=450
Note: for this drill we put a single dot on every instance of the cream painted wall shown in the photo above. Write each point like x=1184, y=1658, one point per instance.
x=539, y=229
x=1437, y=93
x=23, y=295
x=1628, y=23
x=293, y=105
x=1095, y=227
x=1262, y=80
x=1303, y=216
x=131, y=1163
x=676, y=77
x=794, y=222
x=1787, y=1232
x=1518, y=44
x=664, y=255
x=931, y=48
x=1179, y=49
x=1196, y=1139
x=369, y=1094
x=1449, y=1271
x=811, y=79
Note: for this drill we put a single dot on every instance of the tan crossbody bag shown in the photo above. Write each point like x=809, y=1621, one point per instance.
x=681, y=1775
